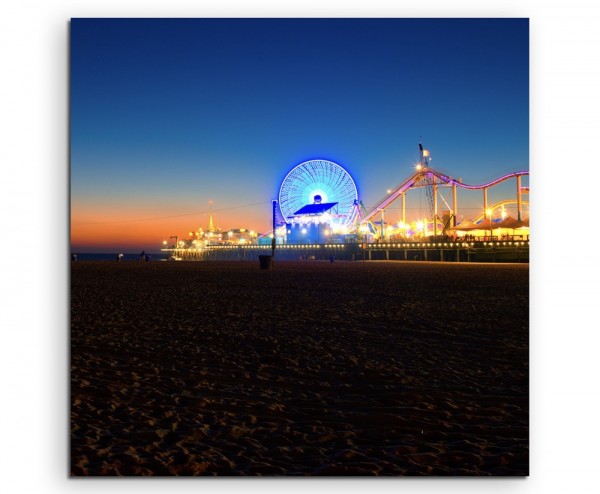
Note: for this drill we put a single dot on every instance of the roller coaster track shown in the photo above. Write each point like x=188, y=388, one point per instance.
x=424, y=178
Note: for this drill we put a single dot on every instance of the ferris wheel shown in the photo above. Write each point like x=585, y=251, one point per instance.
x=319, y=181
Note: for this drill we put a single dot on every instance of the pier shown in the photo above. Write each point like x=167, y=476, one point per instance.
x=482, y=250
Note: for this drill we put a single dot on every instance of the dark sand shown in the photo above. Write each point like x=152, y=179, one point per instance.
x=312, y=368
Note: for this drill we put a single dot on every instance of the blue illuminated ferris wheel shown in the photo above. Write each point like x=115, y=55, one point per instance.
x=319, y=181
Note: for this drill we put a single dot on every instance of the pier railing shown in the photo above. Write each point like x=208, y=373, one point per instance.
x=485, y=250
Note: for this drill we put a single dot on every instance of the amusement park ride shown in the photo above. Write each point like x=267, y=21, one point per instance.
x=318, y=205
x=432, y=180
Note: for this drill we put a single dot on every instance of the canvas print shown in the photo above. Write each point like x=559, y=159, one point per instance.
x=299, y=247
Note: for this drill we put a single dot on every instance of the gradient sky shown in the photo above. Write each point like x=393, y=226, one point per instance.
x=168, y=114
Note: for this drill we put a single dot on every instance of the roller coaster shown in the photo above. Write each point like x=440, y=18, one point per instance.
x=432, y=180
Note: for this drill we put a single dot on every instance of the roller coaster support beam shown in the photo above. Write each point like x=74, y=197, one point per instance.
x=454, y=205
x=403, y=207
x=519, y=201
x=485, y=203
x=435, y=208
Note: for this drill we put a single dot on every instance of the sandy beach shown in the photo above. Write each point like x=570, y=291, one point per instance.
x=311, y=368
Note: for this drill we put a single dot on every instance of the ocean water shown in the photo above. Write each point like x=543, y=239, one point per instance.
x=162, y=256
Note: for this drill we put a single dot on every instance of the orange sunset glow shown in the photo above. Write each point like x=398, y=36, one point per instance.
x=122, y=227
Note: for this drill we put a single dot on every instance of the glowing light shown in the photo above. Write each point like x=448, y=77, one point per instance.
x=318, y=178
x=418, y=167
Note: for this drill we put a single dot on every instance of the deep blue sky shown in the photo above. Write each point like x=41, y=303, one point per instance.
x=167, y=114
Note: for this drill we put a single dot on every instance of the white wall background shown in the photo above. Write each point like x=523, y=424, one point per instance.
x=565, y=82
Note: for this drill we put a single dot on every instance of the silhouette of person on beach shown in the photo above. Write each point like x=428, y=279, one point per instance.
x=142, y=255
x=119, y=257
